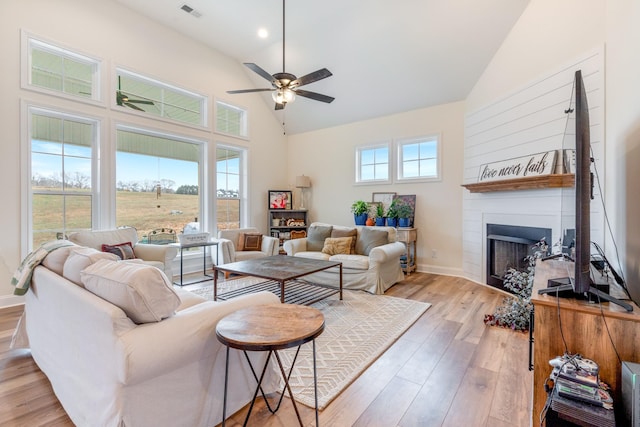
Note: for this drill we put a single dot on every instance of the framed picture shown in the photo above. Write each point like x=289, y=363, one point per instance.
x=384, y=198
x=280, y=199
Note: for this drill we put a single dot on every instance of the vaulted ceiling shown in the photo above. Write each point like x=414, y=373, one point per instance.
x=386, y=57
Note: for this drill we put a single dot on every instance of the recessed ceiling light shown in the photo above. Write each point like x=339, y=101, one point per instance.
x=263, y=33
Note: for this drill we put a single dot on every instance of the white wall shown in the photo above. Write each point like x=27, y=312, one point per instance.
x=548, y=34
x=121, y=37
x=328, y=158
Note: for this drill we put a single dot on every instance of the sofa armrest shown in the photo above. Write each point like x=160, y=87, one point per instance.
x=162, y=253
x=270, y=245
x=295, y=245
x=390, y=251
x=226, y=252
x=154, y=349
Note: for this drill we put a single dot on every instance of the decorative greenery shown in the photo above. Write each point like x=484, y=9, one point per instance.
x=360, y=207
x=380, y=211
x=515, y=310
x=404, y=210
x=392, y=212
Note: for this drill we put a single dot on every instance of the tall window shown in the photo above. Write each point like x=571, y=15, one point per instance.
x=62, y=187
x=373, y=164
x=52, y=68
x=146, y=95
x=157, y=181
x=231, y=120
x=229, y=191
x=419, y=159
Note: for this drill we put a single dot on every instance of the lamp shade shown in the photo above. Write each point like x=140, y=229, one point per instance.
x=303, y=181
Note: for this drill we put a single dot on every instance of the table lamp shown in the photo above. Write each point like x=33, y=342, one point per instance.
x=302, y=182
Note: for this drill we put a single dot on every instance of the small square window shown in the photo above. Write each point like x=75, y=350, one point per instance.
x=419, y=159
x=373, y=163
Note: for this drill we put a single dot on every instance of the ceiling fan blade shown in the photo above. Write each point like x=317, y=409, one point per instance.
x=315, y=96
x=141, y=101
x=311, y=77
x=262, y=73
x=280, y=106
x=130, y=105
x=249, y=90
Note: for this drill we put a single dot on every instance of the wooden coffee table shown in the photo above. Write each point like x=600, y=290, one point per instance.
x=280, y=268
x=270, y=328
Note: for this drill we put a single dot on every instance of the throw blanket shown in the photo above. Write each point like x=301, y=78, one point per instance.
x=22, y=277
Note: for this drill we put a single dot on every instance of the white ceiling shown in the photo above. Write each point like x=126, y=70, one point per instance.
x=386, y=57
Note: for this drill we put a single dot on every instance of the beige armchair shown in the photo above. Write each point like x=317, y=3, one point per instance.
x=228, y=250
x=160, y=256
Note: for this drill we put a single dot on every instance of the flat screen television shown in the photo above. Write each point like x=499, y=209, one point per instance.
x=581, y=284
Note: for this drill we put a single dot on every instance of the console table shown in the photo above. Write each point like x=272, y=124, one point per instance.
x=204, y=246
x=408, y=236
x=584, y=327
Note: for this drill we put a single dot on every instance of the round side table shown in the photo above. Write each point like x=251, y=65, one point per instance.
x=270, y=328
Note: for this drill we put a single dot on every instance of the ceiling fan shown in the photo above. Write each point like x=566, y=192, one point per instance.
x=123, y=99
x=285, y=86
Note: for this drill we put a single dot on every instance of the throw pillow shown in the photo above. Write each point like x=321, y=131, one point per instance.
x=337, y=245
x=143, y=292
x=121, y=250
x=316, y=236
x=79, y=259
x=249, y=242
x=369, y=239
x=350, y=232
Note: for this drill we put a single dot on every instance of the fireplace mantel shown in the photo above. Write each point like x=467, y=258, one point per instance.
x=528, y=183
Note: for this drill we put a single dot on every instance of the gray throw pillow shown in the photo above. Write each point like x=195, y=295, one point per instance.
x=369, y=239
x=316, y=236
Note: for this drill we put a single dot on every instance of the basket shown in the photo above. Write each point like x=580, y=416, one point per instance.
x=192, y=238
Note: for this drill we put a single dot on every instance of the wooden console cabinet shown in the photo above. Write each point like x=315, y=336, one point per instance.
x=586, y=329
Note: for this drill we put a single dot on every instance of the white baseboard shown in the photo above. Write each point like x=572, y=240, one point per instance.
x=445, y=271
x=11, y=300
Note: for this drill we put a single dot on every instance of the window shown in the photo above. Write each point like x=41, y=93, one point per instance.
x=157, y=181
x=419, y=158
x=229, y=167
x=231, y=120
x=61, y=172
x=52, y=68
x=148, y=96
x=373, y=164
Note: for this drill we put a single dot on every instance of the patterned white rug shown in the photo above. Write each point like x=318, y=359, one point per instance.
x=358, y=330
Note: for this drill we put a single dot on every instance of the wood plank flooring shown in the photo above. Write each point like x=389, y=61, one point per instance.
x=448, y=369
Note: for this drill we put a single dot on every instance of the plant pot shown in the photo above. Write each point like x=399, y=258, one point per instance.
x=403, y=222
x=392, y=222
x=380, y=221
x=360, y=219
x=370, y=222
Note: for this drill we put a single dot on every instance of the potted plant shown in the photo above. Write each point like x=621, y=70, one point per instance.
x=392, y=214
x=360, y=210
x=405, y=211
x=380, y=215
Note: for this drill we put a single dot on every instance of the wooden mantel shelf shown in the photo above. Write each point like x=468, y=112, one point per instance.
x=528, y=183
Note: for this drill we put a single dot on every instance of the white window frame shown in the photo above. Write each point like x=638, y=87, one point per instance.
x=244, y=190
x=400, y=162
x=358, y=163
x=27, y=201
x=29, y=41
x=203, y=99
x=244, y=122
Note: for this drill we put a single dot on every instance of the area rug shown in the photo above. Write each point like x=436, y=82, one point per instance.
x=358, y=330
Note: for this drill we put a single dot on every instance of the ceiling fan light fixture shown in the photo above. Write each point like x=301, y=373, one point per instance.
x=283, y=96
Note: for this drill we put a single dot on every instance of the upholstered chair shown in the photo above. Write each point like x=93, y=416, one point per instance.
x=244, y=243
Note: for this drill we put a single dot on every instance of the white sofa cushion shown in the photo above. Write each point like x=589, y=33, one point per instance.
x=143, y=292
x=80, y=258
x=55, y=260
x=356, y=262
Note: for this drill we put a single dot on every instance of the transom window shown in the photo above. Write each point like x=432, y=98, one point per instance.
x=52, y=68
x=61, y=169
x=373, y=163
x=418, y=158
x=231, y=120
x=145, y=95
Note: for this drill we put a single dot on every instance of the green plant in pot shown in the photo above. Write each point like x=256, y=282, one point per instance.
x=360, y=210
x=405, y=212
x=380, y=215
x=392, y=214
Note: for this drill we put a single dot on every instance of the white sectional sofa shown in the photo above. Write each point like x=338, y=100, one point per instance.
x=106, y=369
x=372, y=263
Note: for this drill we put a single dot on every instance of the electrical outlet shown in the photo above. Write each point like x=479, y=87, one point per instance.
x=434, y=253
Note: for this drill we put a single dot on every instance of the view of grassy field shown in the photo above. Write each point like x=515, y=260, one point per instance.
x=144, y=211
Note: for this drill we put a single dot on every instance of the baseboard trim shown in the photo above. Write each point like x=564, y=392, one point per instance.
x=444, y=271
x=11, y=300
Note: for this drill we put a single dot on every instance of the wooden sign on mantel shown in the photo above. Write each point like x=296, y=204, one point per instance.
x=527, y=166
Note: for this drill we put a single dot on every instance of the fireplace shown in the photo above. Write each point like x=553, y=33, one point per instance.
x=507, y=247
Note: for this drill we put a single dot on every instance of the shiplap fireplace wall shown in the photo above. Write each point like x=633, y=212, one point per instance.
x=530, y=120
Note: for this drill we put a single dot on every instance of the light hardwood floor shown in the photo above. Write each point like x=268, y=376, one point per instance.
x=448, y=369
